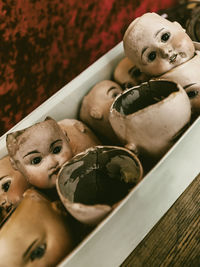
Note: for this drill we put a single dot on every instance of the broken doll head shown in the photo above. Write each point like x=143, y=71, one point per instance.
x=149, y=118
x=12, y=186
x=39, y=151
x=157, y=45
x=95, y=108
x=95, y=181
x=36, y=234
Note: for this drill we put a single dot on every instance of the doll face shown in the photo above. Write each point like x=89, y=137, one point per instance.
x=42, y=149
x=12, y=185
x=42, y=238
x=156, y=44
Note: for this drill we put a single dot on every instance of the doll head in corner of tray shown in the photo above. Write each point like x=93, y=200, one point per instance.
x=39, y=151
x=163, y=50
x=95, y=108
x=12, y=186
x=38, y=233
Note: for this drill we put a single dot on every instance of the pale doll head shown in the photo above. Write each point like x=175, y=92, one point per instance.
x=37, y=233
x=156, y=44
x=39, y=152
x=127, y=74
x=96, y=106
x=12, y=186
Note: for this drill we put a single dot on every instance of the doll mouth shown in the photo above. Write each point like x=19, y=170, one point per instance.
x=172, y=59
x=9, y=208
x=54, y=173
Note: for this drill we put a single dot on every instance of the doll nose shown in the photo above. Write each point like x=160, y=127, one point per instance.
x=2, y=202
x=53, y=163
x=165, y=52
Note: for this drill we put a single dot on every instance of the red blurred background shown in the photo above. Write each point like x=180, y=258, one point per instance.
x=46, y=43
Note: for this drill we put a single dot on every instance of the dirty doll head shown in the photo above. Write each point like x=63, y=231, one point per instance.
x=37, y=233
x=39, y=151
x=156, y=44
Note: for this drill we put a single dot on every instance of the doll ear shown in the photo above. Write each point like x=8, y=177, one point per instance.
x=11, y=143
x=178, y=25
x=80, y=126
x=48, y=118
x=13, y=163
x=65, y=133
x=96, y=114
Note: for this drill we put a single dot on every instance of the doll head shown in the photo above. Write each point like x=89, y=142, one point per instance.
x=149, y=118
x=80, y=136
x=156, y=44
x=127, y=74
x=93, y=182
x=39, y=151
x=12, y=186
x=36, y=234
x=96, y=106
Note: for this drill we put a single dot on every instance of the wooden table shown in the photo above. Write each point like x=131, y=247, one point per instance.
x=175, y=239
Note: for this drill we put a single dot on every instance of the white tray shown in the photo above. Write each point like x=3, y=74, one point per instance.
x=114, y=239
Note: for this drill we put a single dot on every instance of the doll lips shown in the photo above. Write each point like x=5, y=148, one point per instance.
x=172, y=59
x=54, y=173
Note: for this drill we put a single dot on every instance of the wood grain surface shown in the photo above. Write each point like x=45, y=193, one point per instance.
x=175, y=239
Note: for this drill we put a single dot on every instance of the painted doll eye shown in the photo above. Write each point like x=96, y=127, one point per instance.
x=36, y=160
x=192, y=94
x=57, y=149
x=113, y=92
x=152, y=56
x=165, y=37
x=38, y=252
x=6, y=186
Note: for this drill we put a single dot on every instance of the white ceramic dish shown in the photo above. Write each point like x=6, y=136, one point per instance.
x=114, y=239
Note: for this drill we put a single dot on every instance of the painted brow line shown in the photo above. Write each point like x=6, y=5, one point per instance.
x=111, y=88
x=3, y=177
x=143, y=50
x=29, y=248
x=31, y=152
x=58, y=140
x=159, y=31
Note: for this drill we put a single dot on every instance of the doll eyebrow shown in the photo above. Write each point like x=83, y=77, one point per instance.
x=31, y=152
x=52, y=144
x=111, y=88
x=143, y=50
x=29, y=248
x=3, y=177
x=159, y=31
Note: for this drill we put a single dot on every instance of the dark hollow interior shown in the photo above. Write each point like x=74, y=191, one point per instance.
x=96, y=177
x=140, y=97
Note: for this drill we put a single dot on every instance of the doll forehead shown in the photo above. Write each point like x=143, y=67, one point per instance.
x=40, y=134
x=103, y=88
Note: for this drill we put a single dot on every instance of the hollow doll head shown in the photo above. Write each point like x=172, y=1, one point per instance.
x=80, y=136
x=156, y=44
x=39, y=151
x=95, y=108
x=12, y=186
x=37, y=233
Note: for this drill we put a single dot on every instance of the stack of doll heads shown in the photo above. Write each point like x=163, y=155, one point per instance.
x=93, y=162
x=162, y=49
